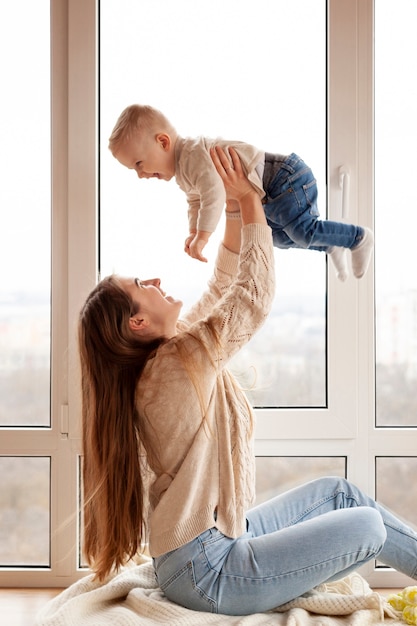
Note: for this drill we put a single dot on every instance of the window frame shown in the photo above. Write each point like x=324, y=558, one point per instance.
x=73, y=273
x=346, y=426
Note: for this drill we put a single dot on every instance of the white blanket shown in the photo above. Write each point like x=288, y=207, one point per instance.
x=132, y=597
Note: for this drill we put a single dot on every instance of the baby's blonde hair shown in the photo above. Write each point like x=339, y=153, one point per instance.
x=138, y=118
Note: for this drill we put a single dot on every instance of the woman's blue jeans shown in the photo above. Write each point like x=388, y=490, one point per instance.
x=312, y=534
x=291, y=209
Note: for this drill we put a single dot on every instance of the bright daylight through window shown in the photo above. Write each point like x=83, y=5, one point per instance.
x=285, y=365
x=25, y=188
x=396, y=278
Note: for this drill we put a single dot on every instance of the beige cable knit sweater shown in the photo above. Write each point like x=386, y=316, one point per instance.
x=197, y=418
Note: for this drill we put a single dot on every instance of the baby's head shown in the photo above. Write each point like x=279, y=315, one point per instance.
x=139, y=120
x=144, y=140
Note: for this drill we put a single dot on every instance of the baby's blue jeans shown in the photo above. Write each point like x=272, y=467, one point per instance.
x=312, y=534
x=291, y=210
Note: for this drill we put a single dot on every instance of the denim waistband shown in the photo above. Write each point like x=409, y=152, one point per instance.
x=273, y=163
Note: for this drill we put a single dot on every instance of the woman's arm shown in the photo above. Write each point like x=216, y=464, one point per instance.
x=225, y=272
x=233, y=227
x=243, y=206
x=238, y=188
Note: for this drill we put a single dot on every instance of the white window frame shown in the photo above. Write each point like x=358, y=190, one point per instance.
x=339, y=419
x=346, y=426
x=74, y=141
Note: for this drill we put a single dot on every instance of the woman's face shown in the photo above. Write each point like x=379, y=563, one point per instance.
x=157, y=312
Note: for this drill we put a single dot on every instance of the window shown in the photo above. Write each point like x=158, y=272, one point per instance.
x=25, y=250
x=194, y=79
x=42, y=192
x=394, y=436
x=277, y=474
x=396, y=281
x=324, y=422
x=25, y=235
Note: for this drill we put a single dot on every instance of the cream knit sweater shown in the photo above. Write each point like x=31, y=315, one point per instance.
x=196, y=175
x=197, y=418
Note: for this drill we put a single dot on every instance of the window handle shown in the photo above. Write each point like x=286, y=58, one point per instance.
x=344, y=184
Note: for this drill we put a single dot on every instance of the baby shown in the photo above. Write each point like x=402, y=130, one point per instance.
x=144, y=140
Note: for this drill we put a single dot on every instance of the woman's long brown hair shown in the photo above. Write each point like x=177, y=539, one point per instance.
x=112, y=359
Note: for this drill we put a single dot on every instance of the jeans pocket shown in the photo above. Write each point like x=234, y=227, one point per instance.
x=183, y=589
x=310, y=192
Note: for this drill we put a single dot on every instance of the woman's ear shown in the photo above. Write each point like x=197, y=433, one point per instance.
x=138, y=325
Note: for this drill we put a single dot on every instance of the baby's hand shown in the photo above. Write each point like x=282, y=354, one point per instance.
x=195, y=244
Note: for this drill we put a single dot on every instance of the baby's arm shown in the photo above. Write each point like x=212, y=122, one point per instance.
x=195, y=244
x=206, y=199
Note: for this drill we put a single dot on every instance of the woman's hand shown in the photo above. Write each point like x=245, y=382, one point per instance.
x=237, y=186
x=234, y=179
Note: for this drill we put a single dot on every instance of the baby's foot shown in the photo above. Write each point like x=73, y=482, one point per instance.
x=338, y=256
x=361, y=254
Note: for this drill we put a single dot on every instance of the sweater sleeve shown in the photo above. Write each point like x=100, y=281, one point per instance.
x=235, y=308
x=225, y=270
x=212, y=197
x=197, y=177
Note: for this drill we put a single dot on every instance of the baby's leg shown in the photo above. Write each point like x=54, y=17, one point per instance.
x=361, y=253
x=338, y=257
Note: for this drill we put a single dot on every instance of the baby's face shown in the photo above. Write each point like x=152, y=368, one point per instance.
x=150, y=156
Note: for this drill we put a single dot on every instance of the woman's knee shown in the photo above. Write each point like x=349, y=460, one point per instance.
x=338, y=485
x=368, y=524
x=332, y=484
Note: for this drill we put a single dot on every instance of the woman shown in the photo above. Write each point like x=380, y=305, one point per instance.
x=167, y=437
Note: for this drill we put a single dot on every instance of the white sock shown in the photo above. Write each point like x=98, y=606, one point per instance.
x=361, y=254
x=338, y=256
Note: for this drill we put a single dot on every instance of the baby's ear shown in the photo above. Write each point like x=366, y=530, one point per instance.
x=164, y=140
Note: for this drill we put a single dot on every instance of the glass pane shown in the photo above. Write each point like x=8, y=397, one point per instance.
x=276, y=474
x=25, y=205
x=195, y=73
x=395, y=485
x=24, y=511
x=395, y=254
